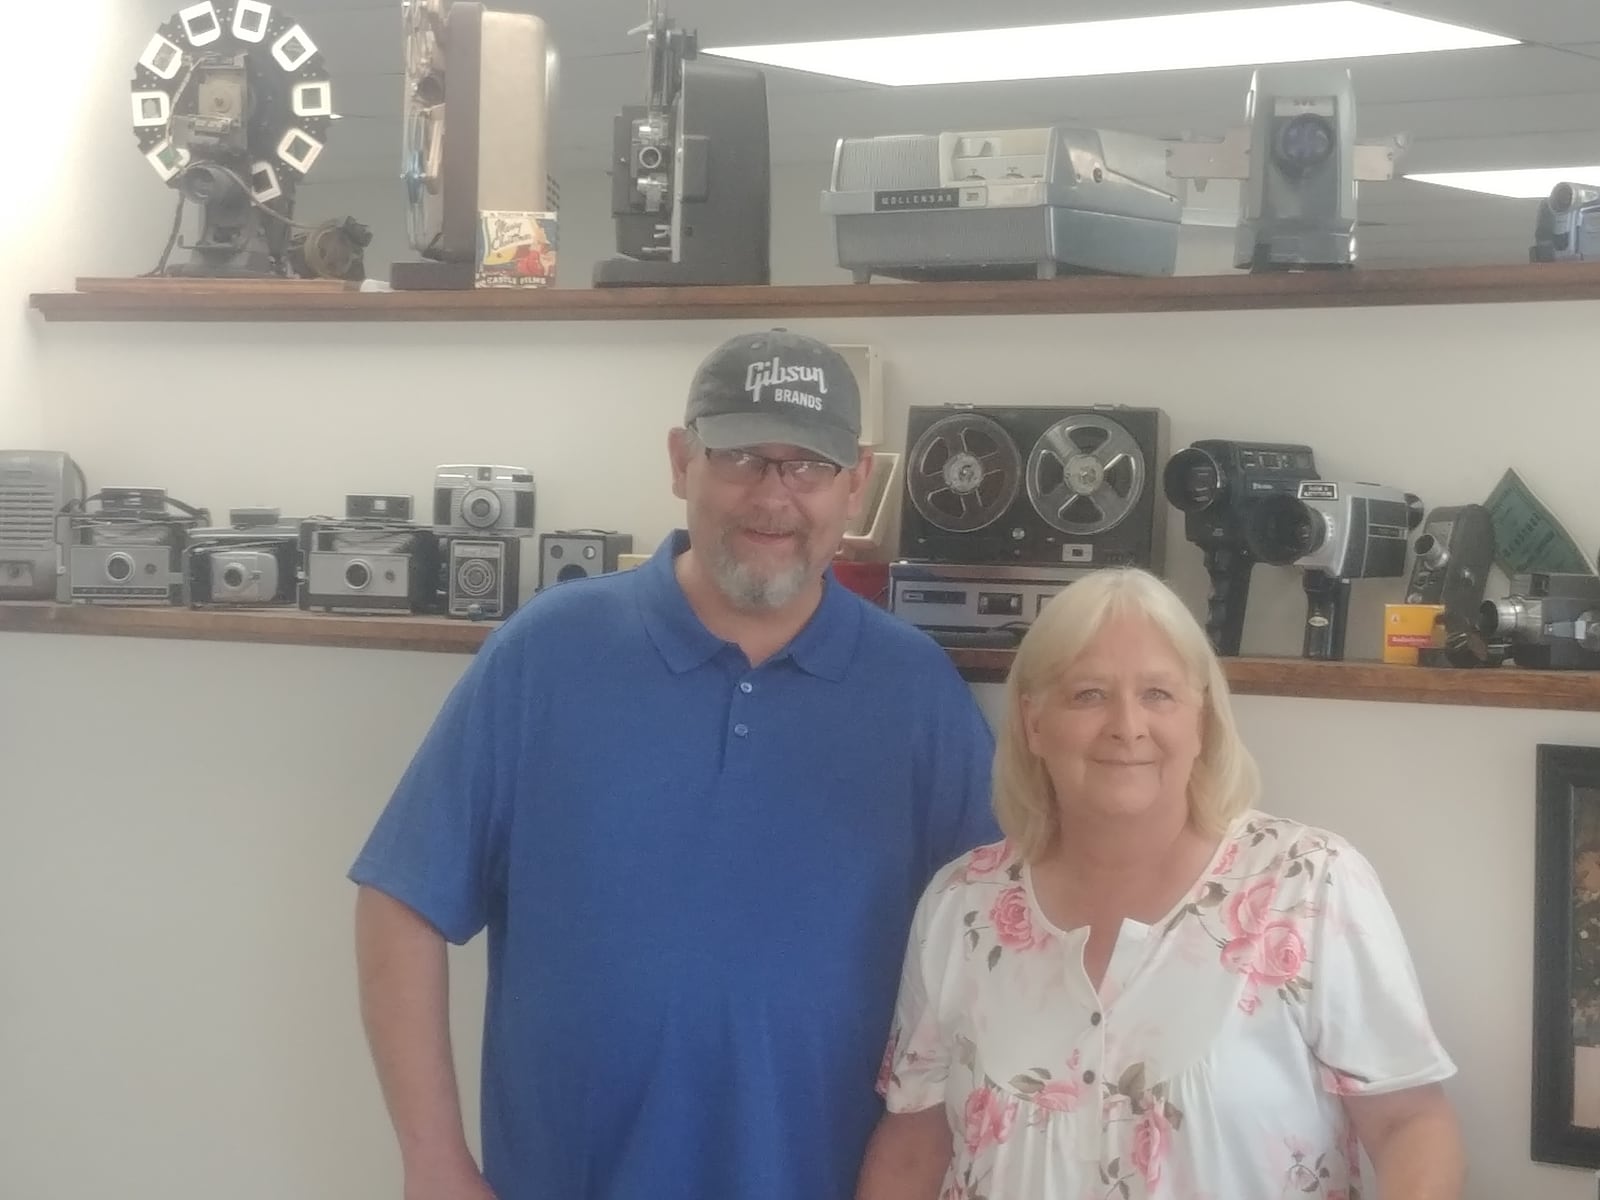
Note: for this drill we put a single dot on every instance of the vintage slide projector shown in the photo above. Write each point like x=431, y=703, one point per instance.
x=1004, y=506
x=1003, y=204
x=231, y=108
x=478, y=87
x=35, y=486
x=691, y=175
x=1567, y=226
x=1300, y=163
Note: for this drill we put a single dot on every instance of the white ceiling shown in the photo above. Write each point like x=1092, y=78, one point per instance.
x=1525, y=105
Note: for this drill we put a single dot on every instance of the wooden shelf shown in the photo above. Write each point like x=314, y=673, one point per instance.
x=1501, y=687
x=289, y=300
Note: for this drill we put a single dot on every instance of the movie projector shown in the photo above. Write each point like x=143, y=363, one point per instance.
x=231, y=107
x=1300, y=163
x=478, y=88
x=691, y=175
x=1005, y=506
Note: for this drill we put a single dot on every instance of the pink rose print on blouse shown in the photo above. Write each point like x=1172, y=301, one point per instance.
x=1013, y=927
x=1248, y=909
x=1229, y=856
x=1152, y=1139
x=986, y=860
x=1271, y=959
x=1062, y=1095
x=987, y=1119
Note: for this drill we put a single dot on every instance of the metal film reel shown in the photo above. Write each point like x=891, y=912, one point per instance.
x=963, y=473
x=1085, y=474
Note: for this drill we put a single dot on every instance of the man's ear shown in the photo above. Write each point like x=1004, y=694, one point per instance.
x=679, y=453
x=859, y=475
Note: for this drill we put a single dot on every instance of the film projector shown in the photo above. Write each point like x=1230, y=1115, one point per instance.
x=1005, y=506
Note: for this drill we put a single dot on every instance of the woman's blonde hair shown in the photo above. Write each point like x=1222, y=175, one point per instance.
x=1224, y=781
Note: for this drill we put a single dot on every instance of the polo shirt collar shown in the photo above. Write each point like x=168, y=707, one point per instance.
x=823, y=647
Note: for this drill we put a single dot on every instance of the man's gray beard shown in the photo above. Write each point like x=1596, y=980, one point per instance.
x=751, y=592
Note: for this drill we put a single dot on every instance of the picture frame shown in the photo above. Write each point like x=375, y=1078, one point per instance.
x=1566, y=957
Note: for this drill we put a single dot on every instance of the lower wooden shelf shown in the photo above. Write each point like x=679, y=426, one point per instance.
x=1502, y=687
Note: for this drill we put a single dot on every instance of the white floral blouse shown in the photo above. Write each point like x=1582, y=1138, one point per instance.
x=1210, y=1064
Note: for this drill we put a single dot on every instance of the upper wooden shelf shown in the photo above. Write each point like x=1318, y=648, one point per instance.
x=292, y=300
x=1501, y=687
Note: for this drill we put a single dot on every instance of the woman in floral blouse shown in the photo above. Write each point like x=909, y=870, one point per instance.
x=1150, y=989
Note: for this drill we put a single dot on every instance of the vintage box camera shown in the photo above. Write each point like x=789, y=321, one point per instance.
x=482, y=576
x=127, y=549
x=579, y=553
x=1216, y=484
x=475, y=499
x=1549, y=622
x=252, y=561
x=1334, y=532
x=368, y=567
x=1567, y=226
x=35, y=485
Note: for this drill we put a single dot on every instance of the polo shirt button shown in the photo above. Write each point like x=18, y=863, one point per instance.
x=747, y=687
x=741, y=730
x=1088, y=1076
x=1094, y=1018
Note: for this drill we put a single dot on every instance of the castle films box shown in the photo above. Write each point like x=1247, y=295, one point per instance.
x=1408, y=628
x=516, y=250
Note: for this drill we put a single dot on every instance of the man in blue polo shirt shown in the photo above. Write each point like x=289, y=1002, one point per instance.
x=694, y=806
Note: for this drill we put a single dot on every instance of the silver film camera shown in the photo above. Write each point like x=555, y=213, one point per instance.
x=253, y=561
x=1548, y=622
x=1334, y=532
x=368, y=567
x=468, y=498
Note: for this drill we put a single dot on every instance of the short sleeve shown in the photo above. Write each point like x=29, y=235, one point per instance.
x=962, y=766
x=438, y=845
x=917, y=1061
x=1364, y=1016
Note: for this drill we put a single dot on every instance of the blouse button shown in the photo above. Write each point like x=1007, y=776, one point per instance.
x=1094, y=1018
x=1088, y=1076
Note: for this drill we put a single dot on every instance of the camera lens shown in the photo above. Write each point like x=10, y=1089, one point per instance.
x=475, y=578
x=480, y=508
x=357, y=575
x=649, y=157
x=1282, y=529
x=119, y=568
x=1304, y=142
x=233, y=575
x=1192, y=480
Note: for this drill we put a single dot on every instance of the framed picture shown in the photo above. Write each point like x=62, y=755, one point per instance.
x=1566, y=958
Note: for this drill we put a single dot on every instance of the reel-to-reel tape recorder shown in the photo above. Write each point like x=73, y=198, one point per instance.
x=1004, y=506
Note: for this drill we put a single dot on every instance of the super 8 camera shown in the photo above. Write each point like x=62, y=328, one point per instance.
x=127, y=549
x=1550, y=621
x=1216, y=483
x=1334, y=532
x=253, y=561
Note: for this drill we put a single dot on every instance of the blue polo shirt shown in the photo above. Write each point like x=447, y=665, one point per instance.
x=697, y=879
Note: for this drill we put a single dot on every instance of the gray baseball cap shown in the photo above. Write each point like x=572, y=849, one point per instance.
x=781, y=387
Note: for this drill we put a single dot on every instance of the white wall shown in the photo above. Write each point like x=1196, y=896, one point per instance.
x=177, y=996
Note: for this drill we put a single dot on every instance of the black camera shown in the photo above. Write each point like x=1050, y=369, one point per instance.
x=1549, y=622
x=480, y=576
x=1334, y=532
x=1216, y=484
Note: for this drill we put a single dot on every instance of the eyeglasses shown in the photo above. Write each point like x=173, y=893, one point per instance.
x=747, y=468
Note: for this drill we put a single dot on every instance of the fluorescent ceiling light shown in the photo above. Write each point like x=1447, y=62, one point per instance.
x=1339, y=29
x=1524, y=183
